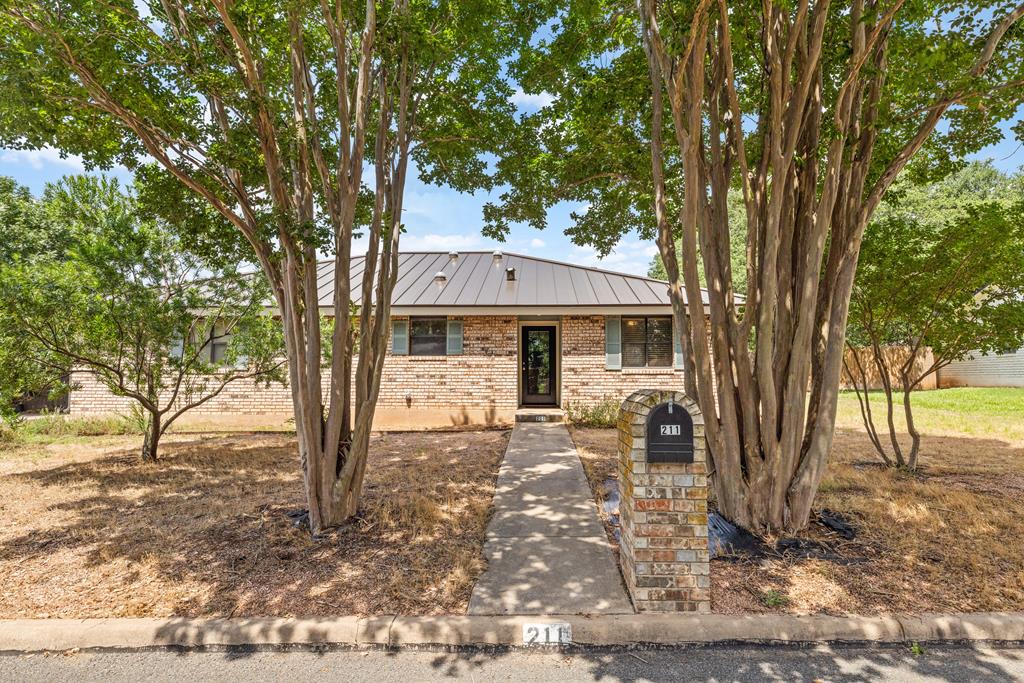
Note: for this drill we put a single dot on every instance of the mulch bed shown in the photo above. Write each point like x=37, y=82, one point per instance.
x=949, y=538
x=88, y=531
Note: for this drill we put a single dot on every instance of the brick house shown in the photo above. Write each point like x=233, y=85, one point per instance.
x=477, y=336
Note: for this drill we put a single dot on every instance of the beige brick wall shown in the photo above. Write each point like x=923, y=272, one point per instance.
x=481, y=384
x=245, y=397
x=584, y=377
x=482, y=377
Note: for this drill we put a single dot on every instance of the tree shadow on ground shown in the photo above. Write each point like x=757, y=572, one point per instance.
x=205, y=532
x=837, y=664
x=947, y=538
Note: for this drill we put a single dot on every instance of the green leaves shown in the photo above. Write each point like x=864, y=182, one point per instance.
x=125, y=301
x=943, y=267
x=591, y=61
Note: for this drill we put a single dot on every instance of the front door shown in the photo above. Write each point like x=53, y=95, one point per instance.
x=539, y=365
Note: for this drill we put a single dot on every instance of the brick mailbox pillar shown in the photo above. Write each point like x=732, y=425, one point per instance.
x=663, y=508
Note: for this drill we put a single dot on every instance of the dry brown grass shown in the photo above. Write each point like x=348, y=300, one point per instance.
x=88, y=531
x=949, y=538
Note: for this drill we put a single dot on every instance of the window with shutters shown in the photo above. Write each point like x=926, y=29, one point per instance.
x=428, y=336
x=647, y=342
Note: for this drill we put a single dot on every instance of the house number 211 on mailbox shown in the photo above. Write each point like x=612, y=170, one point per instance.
x=669, y=434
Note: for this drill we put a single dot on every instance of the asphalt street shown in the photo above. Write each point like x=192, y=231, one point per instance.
x=825, y=664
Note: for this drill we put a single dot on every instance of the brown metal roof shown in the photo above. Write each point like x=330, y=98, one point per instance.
x=477, y=279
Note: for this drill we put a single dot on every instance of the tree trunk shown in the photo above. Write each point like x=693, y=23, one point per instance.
x=915, y=436
x=861, y=386
x=767, y=369
x=151, y=442
x=899, y=457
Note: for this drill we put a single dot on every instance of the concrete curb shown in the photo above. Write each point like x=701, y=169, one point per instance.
x=32, y=635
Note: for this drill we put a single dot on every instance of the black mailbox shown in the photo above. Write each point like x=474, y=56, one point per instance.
x=669, y=434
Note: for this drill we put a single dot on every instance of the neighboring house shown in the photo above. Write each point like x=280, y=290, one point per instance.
x=993, y=370
x=477, y=336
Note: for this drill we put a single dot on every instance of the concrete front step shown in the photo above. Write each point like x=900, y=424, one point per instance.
x=540, y=415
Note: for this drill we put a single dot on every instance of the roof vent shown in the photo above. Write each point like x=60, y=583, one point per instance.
x=498, y=256
x=440, y=278
x=453, y=256
x=510, y=274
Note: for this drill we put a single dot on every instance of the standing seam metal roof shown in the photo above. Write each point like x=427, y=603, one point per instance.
x=476, y=279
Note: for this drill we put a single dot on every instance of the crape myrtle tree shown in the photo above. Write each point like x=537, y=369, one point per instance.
x=810, y=109
x=126, y=303
x=941, y=275
x=270, y=113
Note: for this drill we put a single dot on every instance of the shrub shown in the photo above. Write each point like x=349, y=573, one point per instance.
x=61, y=425
x=604, y=413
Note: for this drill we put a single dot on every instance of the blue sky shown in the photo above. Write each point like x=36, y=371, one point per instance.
x=442, y=219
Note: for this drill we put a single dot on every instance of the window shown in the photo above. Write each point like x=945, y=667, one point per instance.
x=428, y=336
x=647, y=342
x=215, y=348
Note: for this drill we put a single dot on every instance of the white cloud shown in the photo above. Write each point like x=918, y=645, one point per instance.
x=632, y=256
x=37, y=159
x=531, y=100
x=436, y=242
x=537, y=243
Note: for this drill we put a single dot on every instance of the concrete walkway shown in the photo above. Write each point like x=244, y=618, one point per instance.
x=546, y=549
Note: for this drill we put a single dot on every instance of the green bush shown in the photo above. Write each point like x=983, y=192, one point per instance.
x=605, y=413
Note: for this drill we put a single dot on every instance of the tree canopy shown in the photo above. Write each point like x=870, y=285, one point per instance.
x=258, y=120
x=124, y=302
x=809, y=110
x=941, y=275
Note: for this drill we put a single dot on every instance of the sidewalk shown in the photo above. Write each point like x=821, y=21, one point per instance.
x=546, y=549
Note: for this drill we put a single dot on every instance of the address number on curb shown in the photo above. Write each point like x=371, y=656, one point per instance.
x=547, y=634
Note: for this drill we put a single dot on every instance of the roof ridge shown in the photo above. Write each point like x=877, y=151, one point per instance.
x=607, y=271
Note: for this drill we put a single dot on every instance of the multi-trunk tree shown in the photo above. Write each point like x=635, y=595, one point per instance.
x=941, y=276
x=810, y=110
x=268, y=114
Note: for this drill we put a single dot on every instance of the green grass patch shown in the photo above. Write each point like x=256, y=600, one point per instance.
x=772, y=598
x=64, y=425
x=974, y=411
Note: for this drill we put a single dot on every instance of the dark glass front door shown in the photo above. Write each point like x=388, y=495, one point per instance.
x=540, y=373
